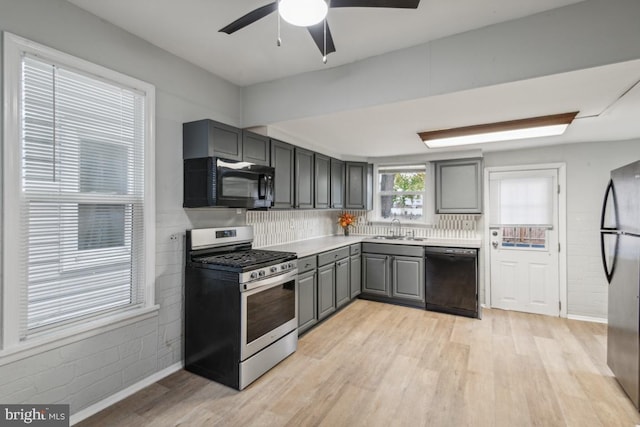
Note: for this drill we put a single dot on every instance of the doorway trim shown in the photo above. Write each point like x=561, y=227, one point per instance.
x=562, y=228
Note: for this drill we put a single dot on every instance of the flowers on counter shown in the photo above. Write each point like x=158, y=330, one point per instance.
x=345, y=220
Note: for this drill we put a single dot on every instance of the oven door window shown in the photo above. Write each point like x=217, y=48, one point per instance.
x=269, y=309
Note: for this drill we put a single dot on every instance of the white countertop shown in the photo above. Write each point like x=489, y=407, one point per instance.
x=321, y=244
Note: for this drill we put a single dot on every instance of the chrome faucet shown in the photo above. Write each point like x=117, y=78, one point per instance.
x=396, y=221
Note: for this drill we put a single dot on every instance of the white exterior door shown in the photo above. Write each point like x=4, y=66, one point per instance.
x=523, y=234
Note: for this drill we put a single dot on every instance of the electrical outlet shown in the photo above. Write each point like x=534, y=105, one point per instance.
x=467, y=225
x=292, y=223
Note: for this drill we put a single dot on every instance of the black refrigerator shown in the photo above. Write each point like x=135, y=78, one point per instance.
x=620, y=247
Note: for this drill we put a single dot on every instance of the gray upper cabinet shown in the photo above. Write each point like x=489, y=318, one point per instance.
x=358, y=185
x=208, y=138
x=337, y=184
x=304, y=179
x=255, y=148
x=282, y=159
x=322, y=181
x=459, y=186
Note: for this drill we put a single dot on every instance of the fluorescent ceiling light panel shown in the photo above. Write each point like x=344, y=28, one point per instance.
x=534, y=127
x=303, y=13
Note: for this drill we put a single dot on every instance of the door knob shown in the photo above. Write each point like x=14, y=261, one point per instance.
x=494, y=244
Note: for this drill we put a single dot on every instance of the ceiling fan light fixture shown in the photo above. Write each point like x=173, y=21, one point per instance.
x=303, y=13
x=534, y=127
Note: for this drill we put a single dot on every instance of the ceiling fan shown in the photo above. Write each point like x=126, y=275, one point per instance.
x=318, y=27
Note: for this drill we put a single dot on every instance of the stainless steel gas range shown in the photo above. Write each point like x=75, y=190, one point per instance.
x=241, y=306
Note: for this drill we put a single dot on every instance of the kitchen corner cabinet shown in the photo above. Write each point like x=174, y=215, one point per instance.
x=282, y=159
x=337, y=184
x=459, y=186
x=208, y=138
x=393, y=273
x=255, y=148
x=358, y=185
x=322, y=165
x=304, y=179
x=355, y=270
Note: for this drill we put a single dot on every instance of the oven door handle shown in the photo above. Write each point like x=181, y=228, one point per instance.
x=269, y=282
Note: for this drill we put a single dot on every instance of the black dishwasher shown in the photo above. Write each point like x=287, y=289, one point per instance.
x=451, y=277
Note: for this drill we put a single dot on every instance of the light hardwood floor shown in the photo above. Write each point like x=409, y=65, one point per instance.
x=376, y=364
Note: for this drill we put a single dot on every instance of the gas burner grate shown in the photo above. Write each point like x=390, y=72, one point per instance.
x=242, y=258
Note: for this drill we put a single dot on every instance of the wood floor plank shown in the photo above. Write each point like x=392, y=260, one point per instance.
x=374, y=364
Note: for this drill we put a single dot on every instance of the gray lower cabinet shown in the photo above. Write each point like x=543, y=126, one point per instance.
x=326, y=290
x=343, y=291
x=407, y=278
x=307, y=304
x=326, y=282
x=375, y=274
x=393, y=273
x=355, y=273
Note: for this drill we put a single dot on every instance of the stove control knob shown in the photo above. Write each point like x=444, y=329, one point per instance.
x=261, y=273
x=283, y=267
x=274, y=269
x=290, y=265
x=253, y=275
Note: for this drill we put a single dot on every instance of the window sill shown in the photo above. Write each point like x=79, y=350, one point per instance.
x=57, y=339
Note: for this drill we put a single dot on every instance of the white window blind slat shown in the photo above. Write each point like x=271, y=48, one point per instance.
x=83, y=193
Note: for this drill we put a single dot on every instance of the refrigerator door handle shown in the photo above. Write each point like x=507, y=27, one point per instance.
x=609, y=192
x=607, y=272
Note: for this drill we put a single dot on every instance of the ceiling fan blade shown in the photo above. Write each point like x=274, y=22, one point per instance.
x=396, y=4
x=317, y=33
x=250, y=18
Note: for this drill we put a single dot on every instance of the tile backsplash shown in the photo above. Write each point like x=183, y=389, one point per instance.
x=278, y=227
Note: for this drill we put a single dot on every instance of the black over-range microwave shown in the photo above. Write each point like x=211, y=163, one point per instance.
x=214, y=181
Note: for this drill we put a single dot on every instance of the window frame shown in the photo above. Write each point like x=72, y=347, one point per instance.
x=13, y=281
x=428, y=196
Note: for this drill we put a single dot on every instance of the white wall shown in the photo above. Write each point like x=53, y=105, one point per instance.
x=588, y=167
x=87, y=371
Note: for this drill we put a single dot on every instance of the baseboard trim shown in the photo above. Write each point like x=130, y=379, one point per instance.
x=122, y=394
x=587, y=318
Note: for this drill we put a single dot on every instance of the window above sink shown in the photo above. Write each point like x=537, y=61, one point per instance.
x=404, y=193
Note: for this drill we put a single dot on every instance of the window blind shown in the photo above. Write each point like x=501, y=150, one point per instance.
x=82, y=195
x=521, y=201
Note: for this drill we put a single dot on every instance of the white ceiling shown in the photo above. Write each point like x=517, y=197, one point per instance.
x=189, y=29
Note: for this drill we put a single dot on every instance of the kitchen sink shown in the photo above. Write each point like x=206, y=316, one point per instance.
x=409, y=238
